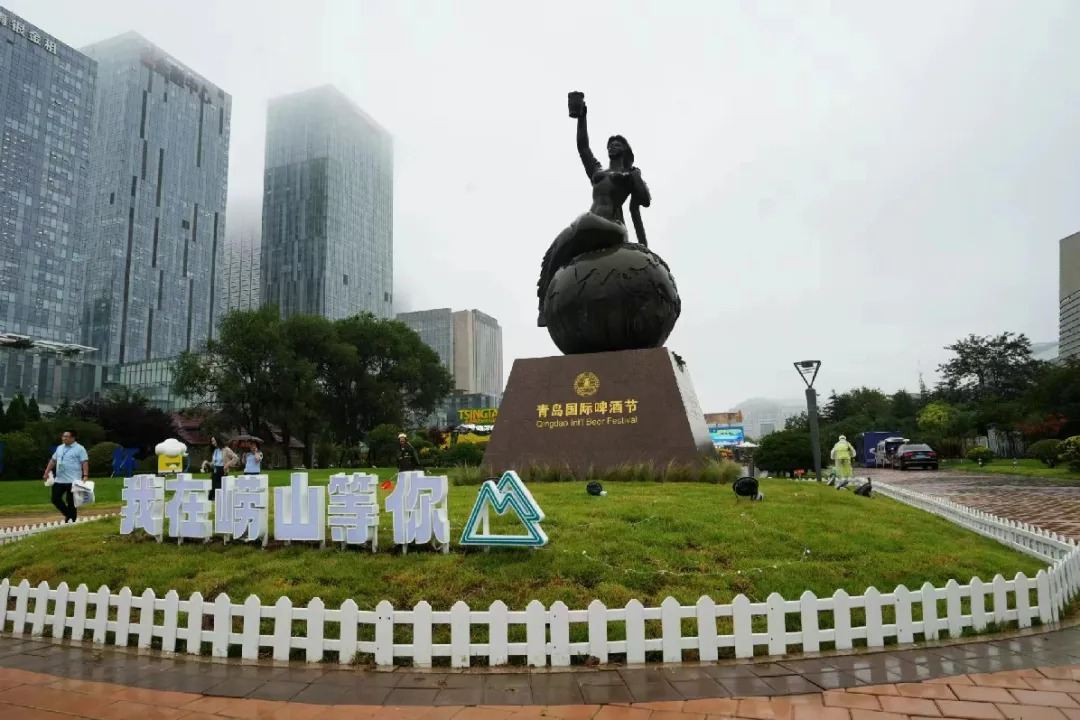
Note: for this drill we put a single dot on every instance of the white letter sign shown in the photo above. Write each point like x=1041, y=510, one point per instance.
x=241, y=508
x=300, y=511
x=144, y=505
x=418, y=504
x=354, y=509
x=189, y=508
x=349, y=506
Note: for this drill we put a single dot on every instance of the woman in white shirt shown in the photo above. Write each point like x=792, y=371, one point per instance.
x=220, y=463
x=253, y=459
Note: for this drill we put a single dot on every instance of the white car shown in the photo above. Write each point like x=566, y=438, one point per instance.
x=886, y=450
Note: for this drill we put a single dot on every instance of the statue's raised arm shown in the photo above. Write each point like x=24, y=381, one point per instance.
x=579, y=110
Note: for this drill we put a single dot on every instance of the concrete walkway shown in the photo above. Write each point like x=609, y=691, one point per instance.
x=1034, y=677
x=1047, y=693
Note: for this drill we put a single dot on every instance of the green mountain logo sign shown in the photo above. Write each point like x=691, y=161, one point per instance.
x=508, y=493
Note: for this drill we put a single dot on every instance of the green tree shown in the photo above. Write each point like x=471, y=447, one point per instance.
x=382, y=442
x=937, y=417
x=63, y=410
x=837, y=408
x=904, y=406
x=1070, y=452
x=33, y=412
x=306, y=372
x=3, y=427
x=990, y=368
x=100, y=459
x=798, y=422
x=945, y=425
x=436, y=436
x=128, y=420
x=21, y=458
x=786, y=451
x=17, y=414
x=1046, y=451
x=309, y=343
x=1003, y=415
x=239, y=373
x=464, y=454
x=46, y=433
x=327, y=454
x=862, y=409
x=377, y=373
x=1057, y=394
x=872, y=404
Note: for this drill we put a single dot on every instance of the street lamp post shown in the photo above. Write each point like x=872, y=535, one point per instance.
x=808, y=370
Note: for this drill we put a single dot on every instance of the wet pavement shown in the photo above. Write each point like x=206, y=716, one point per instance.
x=1030, y=500
x=1036, y=677
x=1033, y=677
x=404, y=687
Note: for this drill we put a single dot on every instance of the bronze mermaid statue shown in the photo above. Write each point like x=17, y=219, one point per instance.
x=602, y=226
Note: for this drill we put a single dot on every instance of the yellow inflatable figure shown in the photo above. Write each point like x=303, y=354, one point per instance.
x=171, y=454
x=169, y=464
x=842, y=454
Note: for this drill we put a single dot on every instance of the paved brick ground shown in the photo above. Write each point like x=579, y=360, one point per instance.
x=1046, y=693
x=1031, y=677
x=1011, y=496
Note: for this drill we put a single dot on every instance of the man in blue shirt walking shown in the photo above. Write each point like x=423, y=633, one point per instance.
x=71, y=464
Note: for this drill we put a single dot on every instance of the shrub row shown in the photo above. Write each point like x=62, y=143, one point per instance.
x=712, y=471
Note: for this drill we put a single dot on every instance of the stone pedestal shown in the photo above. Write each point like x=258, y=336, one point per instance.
x=597, y=411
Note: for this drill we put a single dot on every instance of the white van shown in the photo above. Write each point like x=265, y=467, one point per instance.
x=886, y=451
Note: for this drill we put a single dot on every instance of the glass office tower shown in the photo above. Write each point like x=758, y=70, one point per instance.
x=241, y=272
x=469, y=344
x=46, y=105
x=478, y=360
x=436, y=329
x=46, y=101
x=155, y=221
x=327, y=240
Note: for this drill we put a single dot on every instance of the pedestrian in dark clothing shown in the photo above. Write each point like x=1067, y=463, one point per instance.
x=221, y=462
x=407, y=458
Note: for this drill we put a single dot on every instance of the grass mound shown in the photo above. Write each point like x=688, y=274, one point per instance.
x=644, y=540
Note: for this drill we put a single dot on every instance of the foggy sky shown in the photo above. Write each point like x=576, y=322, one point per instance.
x=853, y=181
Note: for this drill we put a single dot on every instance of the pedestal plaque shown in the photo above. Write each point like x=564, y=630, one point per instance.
x=596, y=411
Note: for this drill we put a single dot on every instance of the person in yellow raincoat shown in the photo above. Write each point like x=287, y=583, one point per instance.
x=842, y=455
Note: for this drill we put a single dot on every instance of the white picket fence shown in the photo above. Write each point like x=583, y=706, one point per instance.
x=555, y=635
x=12, y=534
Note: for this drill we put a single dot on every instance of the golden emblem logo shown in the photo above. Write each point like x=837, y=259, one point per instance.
x=586, y=384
